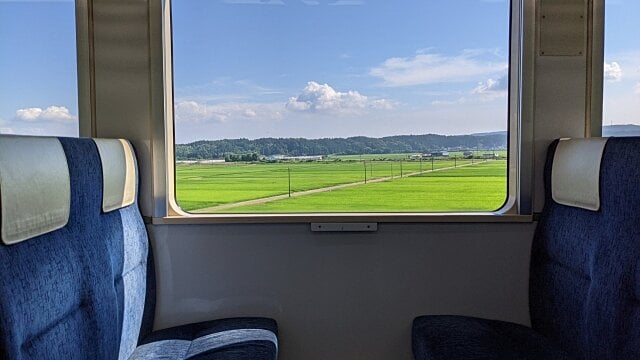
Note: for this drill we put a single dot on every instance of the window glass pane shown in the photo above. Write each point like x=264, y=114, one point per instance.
x=340, y=105
x=38, y=79
x=621, y=111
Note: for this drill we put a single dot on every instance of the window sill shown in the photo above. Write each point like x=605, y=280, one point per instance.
x=356, y=217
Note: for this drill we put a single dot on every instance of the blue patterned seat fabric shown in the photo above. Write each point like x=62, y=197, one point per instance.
x=227, y=339
x=461, y=337
x=86, y=291
x=584, y=280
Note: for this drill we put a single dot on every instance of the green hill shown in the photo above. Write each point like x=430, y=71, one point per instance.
x=217, y=149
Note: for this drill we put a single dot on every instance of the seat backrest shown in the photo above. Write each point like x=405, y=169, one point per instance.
x=75, y=290
x=585, y=263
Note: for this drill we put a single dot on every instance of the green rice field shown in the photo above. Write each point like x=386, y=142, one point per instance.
x=391, y=186
x=478, y=188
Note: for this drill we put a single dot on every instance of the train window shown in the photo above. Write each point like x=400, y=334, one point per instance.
x=38, y=79
x=333, y=106
x=621, y=108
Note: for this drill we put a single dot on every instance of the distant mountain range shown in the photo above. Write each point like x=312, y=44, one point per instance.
x=217, y=149
x=621, y=130
x=607, y=130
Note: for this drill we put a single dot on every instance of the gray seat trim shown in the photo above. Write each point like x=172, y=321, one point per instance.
x=184, y=349
x=229, y=337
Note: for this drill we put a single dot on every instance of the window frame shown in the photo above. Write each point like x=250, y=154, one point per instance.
x=518, y=203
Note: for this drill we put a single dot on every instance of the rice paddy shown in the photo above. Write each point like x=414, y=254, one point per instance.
x=349, y=185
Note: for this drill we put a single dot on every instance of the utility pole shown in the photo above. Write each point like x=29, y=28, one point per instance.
x=365, y=171
x=289, y=172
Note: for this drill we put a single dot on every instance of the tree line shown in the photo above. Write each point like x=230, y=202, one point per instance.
x=237, y=148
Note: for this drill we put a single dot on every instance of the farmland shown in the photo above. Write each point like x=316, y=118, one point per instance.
x=480, y=187
x=363, y=185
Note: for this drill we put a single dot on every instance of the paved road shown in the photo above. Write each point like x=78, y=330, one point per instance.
x=214, y=209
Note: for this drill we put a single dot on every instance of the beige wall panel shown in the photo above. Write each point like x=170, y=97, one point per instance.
x=122, y=81
x=342, y=296
x=559, y=109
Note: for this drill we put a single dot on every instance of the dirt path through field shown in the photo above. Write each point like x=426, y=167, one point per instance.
x=214, y=209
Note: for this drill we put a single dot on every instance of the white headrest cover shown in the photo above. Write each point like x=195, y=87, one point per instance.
x=35, y=195
x=575, y=177
x=118, y=173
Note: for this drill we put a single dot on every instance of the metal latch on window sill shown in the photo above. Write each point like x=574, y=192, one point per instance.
x=344, y=227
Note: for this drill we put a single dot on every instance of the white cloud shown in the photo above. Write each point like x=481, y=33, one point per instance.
x=52, y=121
x=621, y=105
x=311, y=2
x=485, y=91
x=315, y=98
x=612, y=71
x=29, y=114
x=225, y=90
x=196, y=112
x=430, y=68
x=491, y=89
x=622, y=94
x=491, y=86
x=324, y=98
x=52, y=113
x=458, y=101
x=629, y=63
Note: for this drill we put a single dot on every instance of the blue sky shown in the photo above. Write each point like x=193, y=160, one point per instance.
x=622, y=62
x=38, y=82
x=307, y=68
x=328, y=68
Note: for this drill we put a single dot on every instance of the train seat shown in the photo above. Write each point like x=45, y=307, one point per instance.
x=76, y=272
x=585, y=267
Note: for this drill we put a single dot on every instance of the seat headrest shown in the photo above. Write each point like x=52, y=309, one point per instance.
x=575, y=175
x=35, y=195
x=119, y=173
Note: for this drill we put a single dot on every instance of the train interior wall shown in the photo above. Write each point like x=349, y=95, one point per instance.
x=334, y=295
